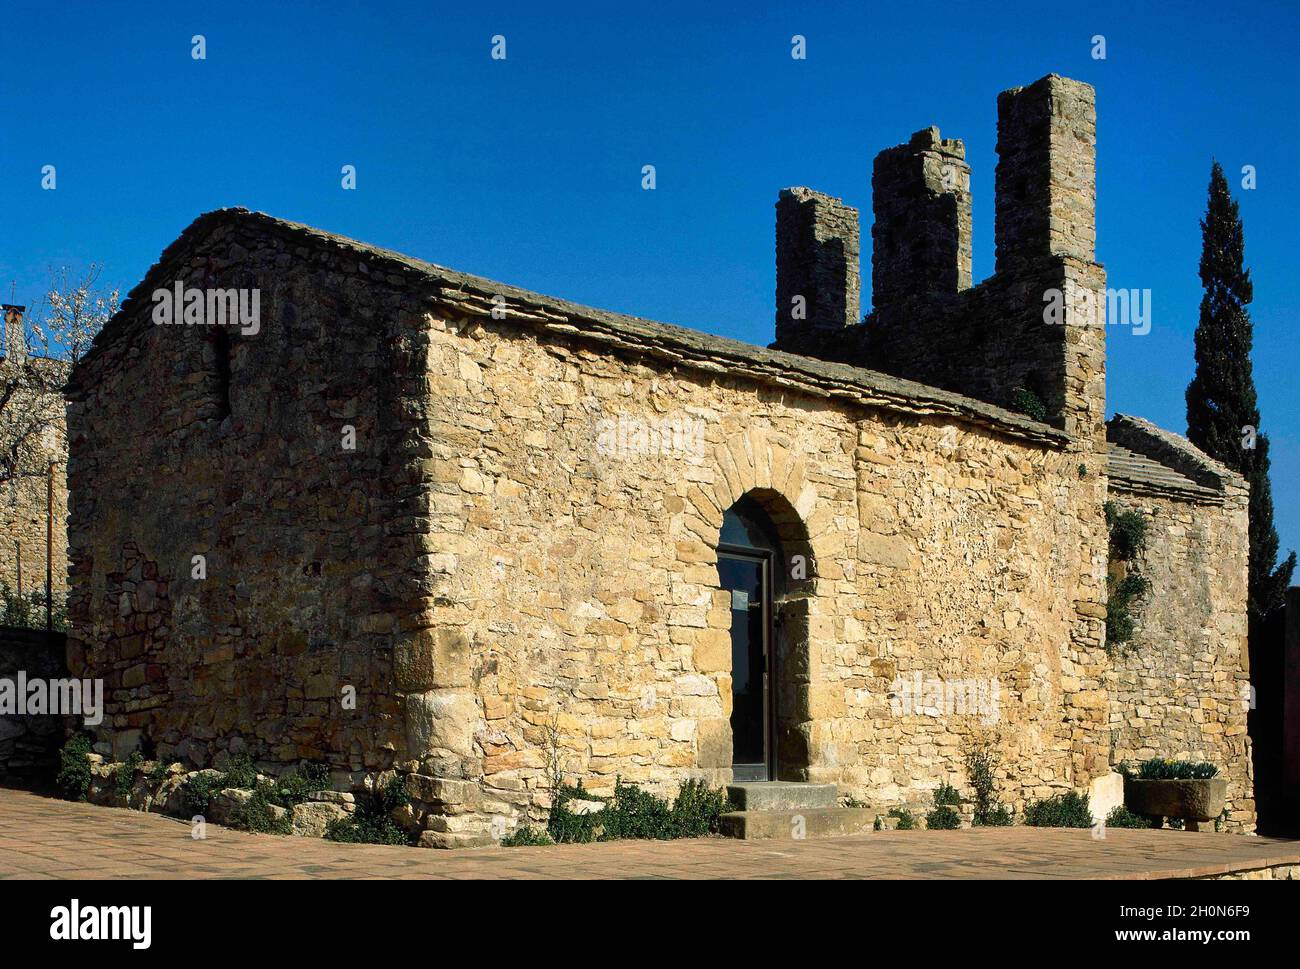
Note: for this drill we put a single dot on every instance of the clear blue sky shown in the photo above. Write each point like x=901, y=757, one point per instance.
x=528, y=170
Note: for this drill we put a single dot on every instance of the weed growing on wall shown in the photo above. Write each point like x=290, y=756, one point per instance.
x=1028, y=403
x=1126, y=586
x=257, y=814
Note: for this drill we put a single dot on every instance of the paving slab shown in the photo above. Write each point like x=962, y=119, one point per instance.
x=43, y=837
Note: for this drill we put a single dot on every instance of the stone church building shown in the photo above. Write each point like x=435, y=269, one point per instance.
x=423, y=521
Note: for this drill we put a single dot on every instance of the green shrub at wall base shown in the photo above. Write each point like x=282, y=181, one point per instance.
x=73, y=778
x=1069, y=810
x=370, y=823
x=1122, y=817
x=526, y=837
x=946, y=794
x=124, y=775
x=197, y=792
x=634, y=813
x=943, y=818
x=906, y=820
x=256, y=815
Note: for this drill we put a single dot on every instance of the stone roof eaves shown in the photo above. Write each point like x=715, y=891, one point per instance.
x=474, y=296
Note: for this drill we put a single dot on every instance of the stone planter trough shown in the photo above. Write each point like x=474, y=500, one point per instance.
x=1192, y=800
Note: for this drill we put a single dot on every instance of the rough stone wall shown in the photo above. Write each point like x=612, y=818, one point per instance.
x=201, y=441
x=1181, y=687
x=578, y=601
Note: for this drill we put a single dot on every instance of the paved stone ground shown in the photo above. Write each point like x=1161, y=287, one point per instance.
x=43, y=837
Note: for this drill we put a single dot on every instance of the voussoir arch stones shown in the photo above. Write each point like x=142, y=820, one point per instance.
x=764, y=463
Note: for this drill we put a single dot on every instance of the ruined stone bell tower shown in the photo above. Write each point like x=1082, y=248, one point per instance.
x=930, y=322
x=921, y=237
x=817, y=275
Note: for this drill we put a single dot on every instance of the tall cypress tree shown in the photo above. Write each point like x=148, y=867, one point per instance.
x=1222, y=410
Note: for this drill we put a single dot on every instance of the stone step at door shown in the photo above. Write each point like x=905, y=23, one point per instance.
x=791, y=811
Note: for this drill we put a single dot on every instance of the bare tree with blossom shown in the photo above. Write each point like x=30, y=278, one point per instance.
x=58, y=333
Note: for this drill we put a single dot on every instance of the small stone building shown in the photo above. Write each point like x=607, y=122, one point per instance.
x=32, y=427
x=427, y=522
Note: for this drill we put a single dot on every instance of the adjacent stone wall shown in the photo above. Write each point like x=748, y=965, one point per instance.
x=1181, y=687
x=24, y=500
x=29, y=744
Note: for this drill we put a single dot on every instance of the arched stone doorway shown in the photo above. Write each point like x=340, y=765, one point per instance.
x=765, y=562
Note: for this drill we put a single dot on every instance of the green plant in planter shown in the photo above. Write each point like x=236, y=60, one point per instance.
x=1158, y=769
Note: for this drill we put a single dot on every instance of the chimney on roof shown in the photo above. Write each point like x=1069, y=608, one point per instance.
x=15, y=334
